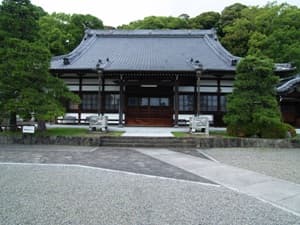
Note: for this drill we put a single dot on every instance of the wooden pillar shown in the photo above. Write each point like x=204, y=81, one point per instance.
x=176, y=101
x=102, y=95
x=100, y=74
x=219, y=95
x=218, y=117
x=121, y=102
x=195, y=98
x=198, y=74
x=80, y=96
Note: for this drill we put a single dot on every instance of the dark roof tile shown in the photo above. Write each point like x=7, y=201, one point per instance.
x=147, y=50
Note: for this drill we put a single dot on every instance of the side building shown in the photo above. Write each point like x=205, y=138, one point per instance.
x=150, y=77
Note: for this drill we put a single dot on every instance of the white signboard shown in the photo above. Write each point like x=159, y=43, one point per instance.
x=28, y=129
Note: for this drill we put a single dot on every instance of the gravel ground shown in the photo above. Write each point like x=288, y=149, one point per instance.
x=72, y=195
x=124, y=159
x=280, y=163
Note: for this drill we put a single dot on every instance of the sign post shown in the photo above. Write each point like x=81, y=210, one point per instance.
x=28, y=130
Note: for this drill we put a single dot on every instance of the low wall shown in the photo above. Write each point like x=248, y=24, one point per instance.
x=209, y=142
x=247, y=143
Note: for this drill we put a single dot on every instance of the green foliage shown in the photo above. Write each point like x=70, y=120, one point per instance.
x=25, y=84
x=61, y=32
x=18, y=19
x=252, y=108
x=272, y=31
x=206, y=20
x=64, y=131
x=231, y=13
x=158, y=22
x=290, y=129
x=237, y=36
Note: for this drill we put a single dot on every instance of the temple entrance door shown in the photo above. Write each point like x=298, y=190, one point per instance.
x=149, y=107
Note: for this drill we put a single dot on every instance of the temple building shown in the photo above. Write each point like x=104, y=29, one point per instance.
x=156, y=77
x=289, y=97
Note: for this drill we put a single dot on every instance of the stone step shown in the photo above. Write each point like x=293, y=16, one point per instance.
x=142, y=139
x=154, y=145
x=147, y=142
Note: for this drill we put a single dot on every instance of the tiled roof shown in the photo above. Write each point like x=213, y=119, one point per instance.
x=148, y=50
x=288, y=85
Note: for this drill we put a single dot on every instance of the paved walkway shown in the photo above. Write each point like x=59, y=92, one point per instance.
x=279, y=193
x=151, y=131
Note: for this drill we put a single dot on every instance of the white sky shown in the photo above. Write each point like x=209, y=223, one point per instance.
x=118, y=12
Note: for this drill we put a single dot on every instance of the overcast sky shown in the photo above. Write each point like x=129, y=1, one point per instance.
x=118, y=12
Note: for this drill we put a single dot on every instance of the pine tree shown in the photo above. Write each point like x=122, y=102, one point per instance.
x=252, y=108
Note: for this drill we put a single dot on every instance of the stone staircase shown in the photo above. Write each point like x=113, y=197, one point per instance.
x=155, y=142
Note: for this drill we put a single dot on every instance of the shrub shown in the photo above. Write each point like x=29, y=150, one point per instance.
x=273, y=130
x=252, y=108
x=289, y=128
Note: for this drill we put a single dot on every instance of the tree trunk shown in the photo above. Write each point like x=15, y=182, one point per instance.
x=13, y=121
x=41, y=125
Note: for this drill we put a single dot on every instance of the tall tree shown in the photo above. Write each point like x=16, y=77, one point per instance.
x=61, y=32
x=206, y=20
x=231, y=13
x=25, y=83
x=252, y=108
x=237, y=35
x=277, y=33
x=158, y=22
x=18, y=19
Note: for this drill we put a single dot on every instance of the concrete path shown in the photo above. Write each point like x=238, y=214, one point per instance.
x=280, y=193
x=150, y=131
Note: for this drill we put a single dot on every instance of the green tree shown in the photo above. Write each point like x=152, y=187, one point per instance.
x=79, y=23
x=61, y=32
x=55, y=35
x=18, y=19
x=158, y=22
x=231, y=13
x=237, y=36
x=277, y=34
x=252, y=108
x=25, y=83
x=206, y=20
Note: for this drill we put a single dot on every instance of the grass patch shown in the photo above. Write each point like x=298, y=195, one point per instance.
x=78, y=132
x=67, y=131
x=11, y=133
x=108, y=133
x=180, y=134
x=63, y=131
x=219, y=133
x=297, y=137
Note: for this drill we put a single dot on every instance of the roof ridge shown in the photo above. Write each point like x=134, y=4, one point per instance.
x=84, y=45
x=221, y=52
x=151, y=32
